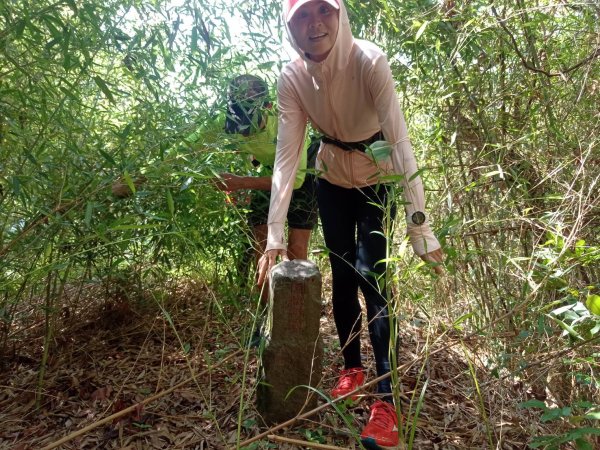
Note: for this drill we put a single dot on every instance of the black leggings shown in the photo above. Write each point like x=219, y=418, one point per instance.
x=352, y=221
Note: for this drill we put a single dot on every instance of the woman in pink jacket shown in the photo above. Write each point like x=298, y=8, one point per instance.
x=344, y=88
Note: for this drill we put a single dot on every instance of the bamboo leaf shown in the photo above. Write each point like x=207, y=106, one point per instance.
x=104, y=88
x=532, y=404
x=89, y=209
x=20, y=27
x=194, y=40
x=555, y=413
x=129, y=181
x=147, y=226
x=416, y=174
x=107, y=157
x=565, y=326
x=421, y=30
x=65, y=49
x=170, y=203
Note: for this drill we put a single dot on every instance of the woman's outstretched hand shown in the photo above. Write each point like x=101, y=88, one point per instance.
x=228, y=182
x=266, y=263
x=436, y=257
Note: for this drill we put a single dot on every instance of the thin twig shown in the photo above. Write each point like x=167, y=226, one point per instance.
x=358, y=390
x=285, y=440
x=562, y=73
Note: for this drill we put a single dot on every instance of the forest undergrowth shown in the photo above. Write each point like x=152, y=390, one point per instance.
x=117, y=356
x=120, y=262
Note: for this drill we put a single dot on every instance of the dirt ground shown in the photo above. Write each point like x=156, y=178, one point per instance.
x=119, y=356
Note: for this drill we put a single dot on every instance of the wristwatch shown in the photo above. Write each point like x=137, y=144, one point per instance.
x=417, y=218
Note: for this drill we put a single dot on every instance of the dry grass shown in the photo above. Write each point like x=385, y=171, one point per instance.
x=117, y=357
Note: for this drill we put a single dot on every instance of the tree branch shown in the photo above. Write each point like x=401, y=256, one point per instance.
x=527, y=65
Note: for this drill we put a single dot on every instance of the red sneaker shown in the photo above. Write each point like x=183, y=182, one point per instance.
x=349, y=380
x=381, y=433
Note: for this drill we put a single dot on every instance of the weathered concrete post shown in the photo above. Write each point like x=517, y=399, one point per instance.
x=293, y=351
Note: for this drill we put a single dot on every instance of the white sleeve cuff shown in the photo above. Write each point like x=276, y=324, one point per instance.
x=422, y=238
x=275, y=237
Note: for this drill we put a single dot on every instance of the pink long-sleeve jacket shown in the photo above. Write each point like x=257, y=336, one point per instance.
x=349, y=96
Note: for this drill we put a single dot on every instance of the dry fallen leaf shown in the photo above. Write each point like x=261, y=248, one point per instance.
x=101, y=394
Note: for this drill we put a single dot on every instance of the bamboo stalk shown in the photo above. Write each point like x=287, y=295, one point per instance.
x=48, y=331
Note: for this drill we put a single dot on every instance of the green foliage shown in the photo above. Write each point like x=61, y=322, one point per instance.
x=96, y=102
x=502, y=106
x=98, y=189
x=581, y=413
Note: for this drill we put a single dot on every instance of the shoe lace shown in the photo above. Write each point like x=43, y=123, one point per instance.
x=383, y=415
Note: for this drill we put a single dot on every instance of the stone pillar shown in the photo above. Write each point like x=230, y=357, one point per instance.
x=293, y=352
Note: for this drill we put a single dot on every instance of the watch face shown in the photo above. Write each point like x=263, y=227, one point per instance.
x=418, y=218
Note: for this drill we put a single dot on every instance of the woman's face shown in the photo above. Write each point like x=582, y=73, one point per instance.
x=314, y=27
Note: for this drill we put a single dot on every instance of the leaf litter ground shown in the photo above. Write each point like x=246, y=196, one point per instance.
x=116, y=356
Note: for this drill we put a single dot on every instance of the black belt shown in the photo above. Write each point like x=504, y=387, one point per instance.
x=349, y=146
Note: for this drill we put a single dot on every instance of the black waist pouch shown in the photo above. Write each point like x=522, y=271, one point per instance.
x=349, y=146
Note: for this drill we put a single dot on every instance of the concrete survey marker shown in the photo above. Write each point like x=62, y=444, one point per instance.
x=293, y=352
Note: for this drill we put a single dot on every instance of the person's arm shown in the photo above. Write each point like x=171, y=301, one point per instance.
x=229, y=182
x=290, y=143
x=395, y=131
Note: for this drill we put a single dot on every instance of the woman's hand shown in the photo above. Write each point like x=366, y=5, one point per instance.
x=229, y=182
x=436, y=257
x=266, y=262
